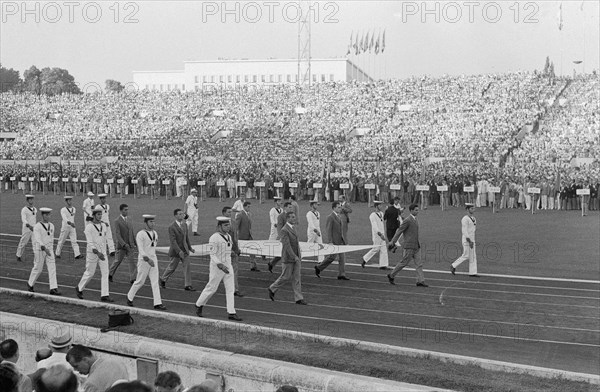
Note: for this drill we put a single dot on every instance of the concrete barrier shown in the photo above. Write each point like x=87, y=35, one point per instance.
x=237, y=371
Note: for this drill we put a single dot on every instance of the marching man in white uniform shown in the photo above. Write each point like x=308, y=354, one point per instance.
x=220, y=269
x=106, y=220
x=313, y=231
x=191, y=209
x=273, y=215
x=96, y=235
x=378, y=236
x=146, y=241
x=43, y=245
x=68, y=229
x=88, y=206
x=468, y=224
x=28, y=217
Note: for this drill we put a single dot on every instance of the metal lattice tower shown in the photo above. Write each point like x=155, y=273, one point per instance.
x=304, y=38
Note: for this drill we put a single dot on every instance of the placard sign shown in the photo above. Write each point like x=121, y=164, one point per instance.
x=184, y=182
x=75, y=179
x=344, y=186
x=293, y=185
x=442, y=188
x=151, y=182
x=166, y=182
x=23, y=178
x=369, y=186
x=259, y=184
x=55, y=179
x=582, y=192
x=240, y=183
x=120, y=181
x=97, y=180
x=422, y=187
x=278, y=184
x=65, y=180
x=395, y=187
x=110, y=181
x=13, y=178
x=134, y=182
x=31, y=178
x=317, y=185
x=533, y=190
x=494, y=189
x=201, y=183
x=83, y=180
x=220, y=183
x=470, y=188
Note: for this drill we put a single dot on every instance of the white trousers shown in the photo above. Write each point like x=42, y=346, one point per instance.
x=215, y=277
x=193, y=220
x=314, y=238
x=468, y=254
x=379, y=246
x=71, y=233
x=91, y=261
x=25, y=237
x=39, y=258
x=145, y=270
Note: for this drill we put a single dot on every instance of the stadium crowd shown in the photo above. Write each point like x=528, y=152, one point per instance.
x=449, y=130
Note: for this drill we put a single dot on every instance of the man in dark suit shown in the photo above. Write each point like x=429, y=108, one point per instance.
x=243, y=225
x=281, y=220
x=346, y=211
x=412, y=246
x=179, y=251
x=335, y=235
x=126, y=245
x=291, y=258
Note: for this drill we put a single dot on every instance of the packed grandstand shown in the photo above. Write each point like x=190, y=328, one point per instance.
x=509, y=129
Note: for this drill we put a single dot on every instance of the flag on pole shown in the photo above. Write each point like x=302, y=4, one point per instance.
x=560, y=17
x=350, y=45
x=372, y=44
x=377, y=43
x=356, y=49
x=366, y=43
x=383, y=42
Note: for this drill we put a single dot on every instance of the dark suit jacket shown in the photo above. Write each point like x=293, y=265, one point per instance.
x=290, y=247
x=180, y=239
x=124, y=233
x=333, y=229
x=410, y=229
x=244, y=226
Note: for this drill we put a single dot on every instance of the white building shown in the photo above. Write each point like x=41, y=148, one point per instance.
x=199, y=75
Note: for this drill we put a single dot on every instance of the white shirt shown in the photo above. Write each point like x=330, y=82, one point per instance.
x=95, y=235
x=221, y=249
x=376, y=219
x=88, y=204
x=28, y=215
x=68, y=215
x=238, y=205
x=105, y=211
x=468, y=226
x=147, y=240
x=314, y=222
x=192, y=203
x=43, y=234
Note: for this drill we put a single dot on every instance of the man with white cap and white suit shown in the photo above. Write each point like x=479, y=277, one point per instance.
x=106, y=221
x=96, y=254
x=468, y=226
x=67, y=230
x=28, y=217
x=88, y=206
x=146, y=241
x=43, y=252
x=191, y=209
x=378, y=236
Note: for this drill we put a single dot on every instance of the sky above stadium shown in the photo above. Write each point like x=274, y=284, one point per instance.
x=103, y=40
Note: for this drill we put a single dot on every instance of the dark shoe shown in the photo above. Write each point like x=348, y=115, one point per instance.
x=271, y=294
x=30, y=288
x=57, y=256
x=132, y=281
x=163, y=284
x=79, y=257
x=422, y=284
x=270, y=267
x=238, y=294
x=112, y=254
x=107, y=299
x=317, y=272
x=196, y=234
x=189, y=288
x=301, y=302
x=19, y=259
x=79, y=293
x=55, y=292
x=453, y=270
x=363, y=264
x=254, y=269
x=199, y=311
x=385, y=268
x=343, y=278
x=160, y=307
x=110, y=279
x=129, y=303
x=391, y=279
x=475, y=276
x=234, y=317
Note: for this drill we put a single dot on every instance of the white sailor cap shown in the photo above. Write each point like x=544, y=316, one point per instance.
x=277, y=198
x=68, y=197
x=102, y=195
x=314, y=202
x=90, y=194
x=194, y=190
x=223, y=219
x=97, y=209
x=45, y=210
x=377, y=202
x=29, y=196
x=469, y=205
x=148, y=217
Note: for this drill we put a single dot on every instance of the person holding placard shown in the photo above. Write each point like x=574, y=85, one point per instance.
x=468, y=226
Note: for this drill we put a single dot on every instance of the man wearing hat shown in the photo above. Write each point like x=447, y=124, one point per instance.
x=68, y=229
x=88, y=207
x=378, y=236
x=106, y=221
x=43, y=252
x=59, y=345
x=313, y=231
x=468, y=225
x=220, y=269
x=28, y=217
x=146, y=240
x=191, y=209
x=97, y=244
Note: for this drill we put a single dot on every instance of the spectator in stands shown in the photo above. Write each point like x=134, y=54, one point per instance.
x=57, y=378
x=102, y=372
x=130, y=386
x=205, y=386
x=59, y=345
x=168, y=381
x=9, y=353
x=287, y=388
x=9, y=378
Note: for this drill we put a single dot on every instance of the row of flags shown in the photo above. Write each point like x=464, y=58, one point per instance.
x=559, y=16
x=366, y=43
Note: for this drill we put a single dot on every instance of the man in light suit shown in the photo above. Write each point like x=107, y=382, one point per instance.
x=379, y=238
x=412, y=247
x=235, y=250
x=313, y=231
x=335, y=236
x=126, y=244
x=291, y=258
x=179, y=251
x=468, y=225
x=243, y=224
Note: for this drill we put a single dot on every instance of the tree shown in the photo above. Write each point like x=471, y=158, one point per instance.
x=114, y=86
x=546, y=66
x=9, y=79
x=551, y=73
x=58, y=81
x=33, y=81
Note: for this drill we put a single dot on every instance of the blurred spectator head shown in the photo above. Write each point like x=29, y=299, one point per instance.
x=9, y=350
x=81, y=358
x=9, y=378
x=42, y=353
x=168, y=381
x=131, y=386
x=57, y=378
x=205, y=386
x=287, y=388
